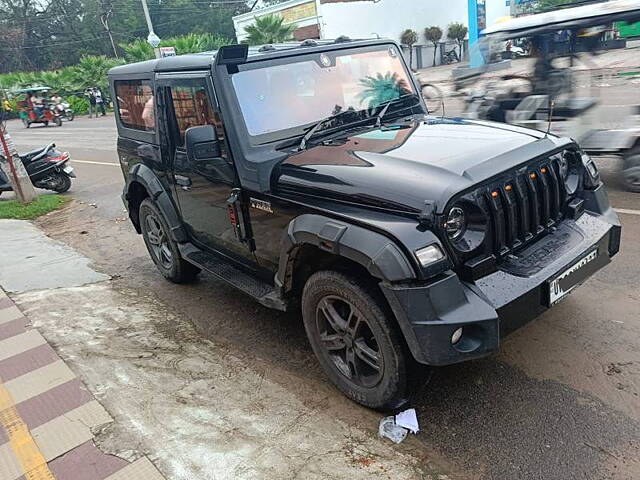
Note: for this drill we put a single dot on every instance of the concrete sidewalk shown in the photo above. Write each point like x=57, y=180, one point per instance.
x=47, y=416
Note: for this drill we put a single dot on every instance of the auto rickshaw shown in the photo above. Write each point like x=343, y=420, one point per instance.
x=28, y=115
x=547, y=98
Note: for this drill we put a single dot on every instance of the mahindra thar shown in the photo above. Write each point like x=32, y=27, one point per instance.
x=311, y=176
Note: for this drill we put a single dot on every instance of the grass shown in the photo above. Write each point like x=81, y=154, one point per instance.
x=41, y=205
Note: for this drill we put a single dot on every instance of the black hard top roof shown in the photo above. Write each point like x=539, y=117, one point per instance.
x=204, y=60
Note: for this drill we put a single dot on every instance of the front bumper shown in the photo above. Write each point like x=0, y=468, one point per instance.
x=500, y=302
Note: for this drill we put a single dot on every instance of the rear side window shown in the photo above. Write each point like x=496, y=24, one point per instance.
x=135, y=104
x=191, y=105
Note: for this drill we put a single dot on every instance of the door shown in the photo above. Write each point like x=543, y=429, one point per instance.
x=202, y=187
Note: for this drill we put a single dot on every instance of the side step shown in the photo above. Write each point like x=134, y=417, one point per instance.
x=225, y=270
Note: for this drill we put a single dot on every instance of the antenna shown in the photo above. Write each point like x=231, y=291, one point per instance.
x=551, y=105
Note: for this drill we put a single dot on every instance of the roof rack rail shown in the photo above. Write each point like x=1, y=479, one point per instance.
x=342, y=39
x=309, y=42
x=267, y=48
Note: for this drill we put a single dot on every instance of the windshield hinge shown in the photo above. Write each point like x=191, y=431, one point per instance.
x=428, y=213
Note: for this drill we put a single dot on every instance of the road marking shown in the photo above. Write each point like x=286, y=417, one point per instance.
x=96, y=163
x=21, y=441
x=627, y=211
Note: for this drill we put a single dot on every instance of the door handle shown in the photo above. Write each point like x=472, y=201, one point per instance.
x=183, y=181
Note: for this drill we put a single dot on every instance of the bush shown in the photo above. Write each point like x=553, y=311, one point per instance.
x=79, y=105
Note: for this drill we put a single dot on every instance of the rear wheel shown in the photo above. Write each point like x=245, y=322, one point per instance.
x=355, y=339
x=63, y=183
x=163, y=250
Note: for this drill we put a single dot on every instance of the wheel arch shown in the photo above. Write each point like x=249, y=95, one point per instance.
x=324, y=241
x=143, y=183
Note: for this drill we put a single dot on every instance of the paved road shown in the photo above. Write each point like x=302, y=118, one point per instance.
x=561, y=399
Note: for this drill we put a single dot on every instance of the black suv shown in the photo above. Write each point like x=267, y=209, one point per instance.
x=311, y=176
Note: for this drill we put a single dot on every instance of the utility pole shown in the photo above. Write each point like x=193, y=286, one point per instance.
x=107, y=12
x=153, y=39
x=12, y=165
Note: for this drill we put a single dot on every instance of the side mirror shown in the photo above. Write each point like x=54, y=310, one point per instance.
x=202, y=143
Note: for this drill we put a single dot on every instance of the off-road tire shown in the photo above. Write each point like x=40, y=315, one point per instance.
x=391, y=390
x=177, y=270
x=632, y=157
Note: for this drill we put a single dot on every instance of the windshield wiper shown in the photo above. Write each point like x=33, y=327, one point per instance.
x=316, y=127
x=388, y=103
x=385, y=106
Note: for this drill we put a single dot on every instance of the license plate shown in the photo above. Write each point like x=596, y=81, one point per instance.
x=564, y=283
x=68, y=170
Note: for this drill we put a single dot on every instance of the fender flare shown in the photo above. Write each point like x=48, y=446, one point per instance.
x=381, y=257
x=143, y=175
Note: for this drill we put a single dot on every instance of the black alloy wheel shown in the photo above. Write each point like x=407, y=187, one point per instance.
x=349, y=341
x=162, y=248
x=356, y=338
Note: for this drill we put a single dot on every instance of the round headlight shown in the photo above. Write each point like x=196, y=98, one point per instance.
x=456, y=223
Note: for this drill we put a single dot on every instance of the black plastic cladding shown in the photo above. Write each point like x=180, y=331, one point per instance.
x=520, y=205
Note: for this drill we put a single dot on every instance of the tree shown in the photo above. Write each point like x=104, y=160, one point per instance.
x=269, y=29
x=457, y=32
x=433, y=34
x=408, y=38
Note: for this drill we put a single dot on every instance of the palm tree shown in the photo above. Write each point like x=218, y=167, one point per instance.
x=269, y=29
x=408, y=38
x=382, y=88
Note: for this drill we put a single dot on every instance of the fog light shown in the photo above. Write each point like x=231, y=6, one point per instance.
x=457, y=335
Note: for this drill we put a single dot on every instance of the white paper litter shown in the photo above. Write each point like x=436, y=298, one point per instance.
x=409, y=420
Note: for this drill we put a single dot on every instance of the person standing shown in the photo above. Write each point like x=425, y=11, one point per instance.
x=92, y=102
x=99, y=101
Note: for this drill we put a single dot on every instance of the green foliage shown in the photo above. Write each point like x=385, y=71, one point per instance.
x=382, y=88
x=90, y=71
x=269, y=29
x=433, y=34
x=409, y=37
x=140, y=50
x=457, y=31
x=43, y=204
x=79, y=104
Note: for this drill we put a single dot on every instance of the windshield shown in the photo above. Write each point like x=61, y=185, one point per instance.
x=299, y=93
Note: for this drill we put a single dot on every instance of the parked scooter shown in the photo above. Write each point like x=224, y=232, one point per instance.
x=47, y=168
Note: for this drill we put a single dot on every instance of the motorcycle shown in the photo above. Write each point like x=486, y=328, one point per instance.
x=47, y=169
x=64, y=110
x=450, y=57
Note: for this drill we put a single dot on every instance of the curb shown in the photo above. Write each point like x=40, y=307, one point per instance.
x=47, y=416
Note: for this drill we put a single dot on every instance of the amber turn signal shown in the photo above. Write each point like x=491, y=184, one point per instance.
x=532, y=175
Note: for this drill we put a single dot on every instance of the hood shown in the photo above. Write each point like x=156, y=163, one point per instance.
x=401, y=167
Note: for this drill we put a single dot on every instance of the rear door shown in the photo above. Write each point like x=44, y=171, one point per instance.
x=202, y=187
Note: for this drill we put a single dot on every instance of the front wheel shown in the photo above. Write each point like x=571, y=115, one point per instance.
x=70, y=115
x=58, y=121
x=26, y=123
x=162, y=248
x=356, y=339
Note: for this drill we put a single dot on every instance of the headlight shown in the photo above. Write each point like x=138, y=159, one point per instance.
x=428, y=255
x=592, y=178
x=455, y=223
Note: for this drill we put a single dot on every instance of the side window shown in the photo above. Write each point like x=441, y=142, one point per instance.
x=135, y=104
x=192, y=107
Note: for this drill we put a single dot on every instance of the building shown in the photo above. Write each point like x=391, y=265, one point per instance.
x=377, y=18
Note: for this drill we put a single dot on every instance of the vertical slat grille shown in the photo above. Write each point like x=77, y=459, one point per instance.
x=523, y=206
x=545, y=195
